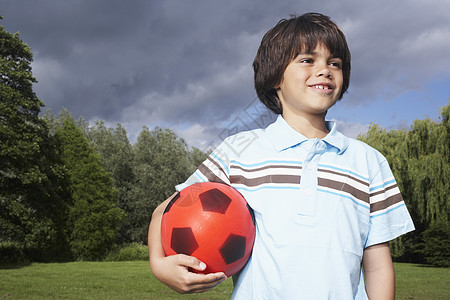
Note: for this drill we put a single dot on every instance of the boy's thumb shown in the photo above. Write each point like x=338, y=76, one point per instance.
x=191, y=262
x=201, y=266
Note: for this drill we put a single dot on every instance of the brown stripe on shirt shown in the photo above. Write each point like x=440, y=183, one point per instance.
x=252, y=182
x=218, y=166
x=344, y=187
x=381, y=205
x=384, y=190
x=210, y=174
x=344, y=174
x=264, y=168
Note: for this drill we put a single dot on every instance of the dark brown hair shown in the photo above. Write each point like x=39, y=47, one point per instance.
x=290, y=37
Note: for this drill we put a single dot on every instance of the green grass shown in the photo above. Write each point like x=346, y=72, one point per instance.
x=92, y=280
x=422, y=282
x=133, y=280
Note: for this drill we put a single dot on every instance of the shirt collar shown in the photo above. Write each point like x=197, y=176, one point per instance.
x=335, y=138
x=283, y=136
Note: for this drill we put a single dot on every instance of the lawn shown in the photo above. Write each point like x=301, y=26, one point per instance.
x=133, y=280
x=422, y=282
x=91, y=280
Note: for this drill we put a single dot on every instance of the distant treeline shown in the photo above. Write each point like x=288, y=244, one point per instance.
x=70, y=191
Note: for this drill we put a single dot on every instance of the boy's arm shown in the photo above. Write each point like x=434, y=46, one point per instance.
x=379, y=272
x=173, y=270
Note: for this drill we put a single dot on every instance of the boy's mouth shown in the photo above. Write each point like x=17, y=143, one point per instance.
x=322, y=86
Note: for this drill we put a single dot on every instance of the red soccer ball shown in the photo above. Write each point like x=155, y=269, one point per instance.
x=210, y=221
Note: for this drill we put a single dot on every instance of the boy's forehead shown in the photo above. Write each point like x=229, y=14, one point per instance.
x=314, y=49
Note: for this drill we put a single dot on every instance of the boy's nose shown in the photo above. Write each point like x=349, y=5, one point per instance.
x=323, y=71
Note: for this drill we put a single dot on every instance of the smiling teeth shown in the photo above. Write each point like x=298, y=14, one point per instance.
x=322, y=87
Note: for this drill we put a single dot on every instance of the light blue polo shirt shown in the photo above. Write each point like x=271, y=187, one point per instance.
x=318, y=204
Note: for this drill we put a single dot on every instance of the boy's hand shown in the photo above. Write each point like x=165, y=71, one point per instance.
x=174, y=272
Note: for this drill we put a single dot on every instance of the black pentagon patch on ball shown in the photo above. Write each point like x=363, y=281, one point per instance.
x=233, y=249
x=183, y=241
x=215, y=201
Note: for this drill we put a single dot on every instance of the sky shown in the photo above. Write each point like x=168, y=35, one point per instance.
x=187, y=64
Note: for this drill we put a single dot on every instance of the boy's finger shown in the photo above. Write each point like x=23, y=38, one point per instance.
x=191, y=262
x=196, y=264
x=213, y=277
x=205, y=282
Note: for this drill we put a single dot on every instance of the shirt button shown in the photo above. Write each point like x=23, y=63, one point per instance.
x=310, y=166
x=308, y=192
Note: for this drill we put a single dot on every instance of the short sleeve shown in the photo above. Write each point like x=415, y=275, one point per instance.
x=389, y=216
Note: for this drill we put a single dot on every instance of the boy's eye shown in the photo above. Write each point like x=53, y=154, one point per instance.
x=336, y=64
x=306, y=60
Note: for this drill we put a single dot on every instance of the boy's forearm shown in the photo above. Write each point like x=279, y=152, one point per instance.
x=155, y=248
x=379, y=272
x=380, y=285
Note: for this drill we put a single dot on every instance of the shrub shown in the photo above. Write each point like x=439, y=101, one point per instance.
x=437, y=244
x=11, y=253
x=133, y=251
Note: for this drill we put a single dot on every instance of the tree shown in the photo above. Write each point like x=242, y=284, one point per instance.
x=429, y=168
x=436, y=246
x=32, y=205
x=94, y=220
x=116, y=157
x=161, y=161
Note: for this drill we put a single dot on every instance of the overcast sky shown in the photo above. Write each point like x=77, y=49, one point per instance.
x=187, y=65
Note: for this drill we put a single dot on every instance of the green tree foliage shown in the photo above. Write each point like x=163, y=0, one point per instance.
x=436, y=245
x=94, y=220
x=32, y=209
x=116, y=156
x=161, y=161
x=144, y=174
x=420, y=161
x=429, y=168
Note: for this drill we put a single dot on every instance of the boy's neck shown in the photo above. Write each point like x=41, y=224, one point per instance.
x=310, y=126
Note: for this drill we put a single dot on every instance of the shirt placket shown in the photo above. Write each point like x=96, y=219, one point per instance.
x=307, y=203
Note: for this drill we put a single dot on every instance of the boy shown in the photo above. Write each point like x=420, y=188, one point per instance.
x=325, y=205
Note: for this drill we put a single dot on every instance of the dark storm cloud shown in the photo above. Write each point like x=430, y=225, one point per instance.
x=88, y=54
x=187, y=64
x=397, y=47
x=106, y=58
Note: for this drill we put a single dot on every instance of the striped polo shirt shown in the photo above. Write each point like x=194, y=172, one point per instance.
x=318, y=204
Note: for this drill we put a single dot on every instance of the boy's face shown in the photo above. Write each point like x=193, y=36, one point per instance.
x=311, y=83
